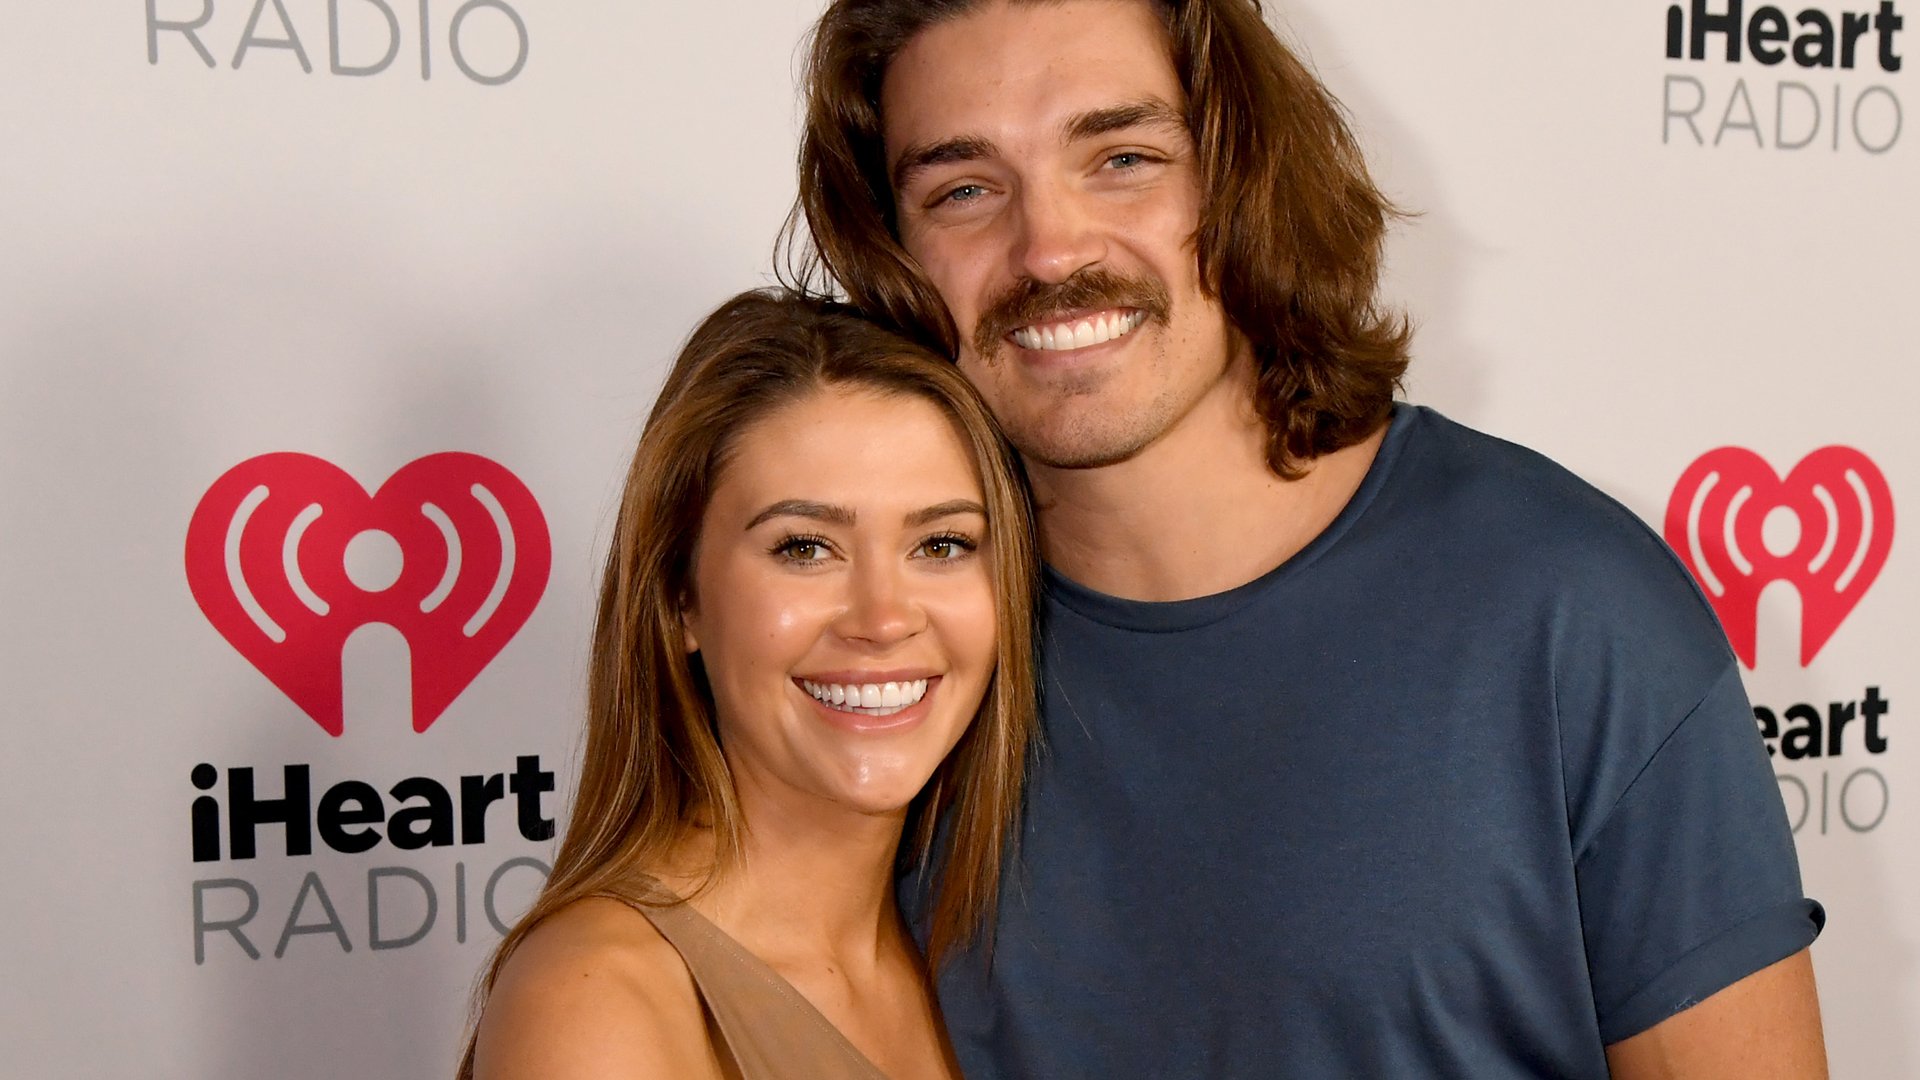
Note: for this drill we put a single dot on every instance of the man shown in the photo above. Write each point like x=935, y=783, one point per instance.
x=1376, y=747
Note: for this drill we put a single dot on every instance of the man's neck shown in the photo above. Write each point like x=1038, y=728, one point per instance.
x=1196, y=513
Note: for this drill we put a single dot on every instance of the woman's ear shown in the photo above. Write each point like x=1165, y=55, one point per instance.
x=687, y=618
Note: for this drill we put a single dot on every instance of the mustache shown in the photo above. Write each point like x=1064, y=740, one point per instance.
x=1027, y=301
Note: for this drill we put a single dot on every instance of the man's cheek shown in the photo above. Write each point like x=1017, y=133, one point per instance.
x=975, y=371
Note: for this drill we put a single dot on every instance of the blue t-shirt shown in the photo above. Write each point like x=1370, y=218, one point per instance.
x=1469, y=787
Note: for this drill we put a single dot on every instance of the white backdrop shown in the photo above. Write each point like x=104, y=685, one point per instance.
x=489, y=241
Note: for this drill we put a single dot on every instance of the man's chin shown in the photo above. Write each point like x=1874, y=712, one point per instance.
x=1054, y=440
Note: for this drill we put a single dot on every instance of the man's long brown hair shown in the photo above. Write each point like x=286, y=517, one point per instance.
x=1290, y=238
x=653, y=761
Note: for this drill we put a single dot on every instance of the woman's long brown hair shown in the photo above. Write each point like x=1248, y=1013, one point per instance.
x=1290, y=239
x=652, y=760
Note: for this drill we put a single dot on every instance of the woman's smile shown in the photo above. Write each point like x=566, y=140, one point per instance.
x=872, y=702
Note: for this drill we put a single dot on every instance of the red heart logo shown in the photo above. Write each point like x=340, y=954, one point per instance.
x=1837, y=502
x=287, y=555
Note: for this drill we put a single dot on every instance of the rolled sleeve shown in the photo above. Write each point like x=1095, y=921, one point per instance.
x=1692, y=883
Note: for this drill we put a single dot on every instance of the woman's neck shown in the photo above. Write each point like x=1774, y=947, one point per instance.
x=814, y=884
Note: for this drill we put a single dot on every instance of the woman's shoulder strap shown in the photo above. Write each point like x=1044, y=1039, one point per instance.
x=765, y=1025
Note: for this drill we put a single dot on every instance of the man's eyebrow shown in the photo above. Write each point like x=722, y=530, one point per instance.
x=950, y=508
x=1146, y=112
x=802, y=508
x=916, y=159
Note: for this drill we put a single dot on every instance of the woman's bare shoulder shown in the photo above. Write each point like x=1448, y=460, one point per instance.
x=594, y=991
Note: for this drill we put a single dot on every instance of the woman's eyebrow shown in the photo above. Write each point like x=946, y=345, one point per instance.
x=950, y=508
x=803, y=508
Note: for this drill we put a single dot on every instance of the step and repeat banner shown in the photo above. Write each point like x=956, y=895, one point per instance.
x=326, y=327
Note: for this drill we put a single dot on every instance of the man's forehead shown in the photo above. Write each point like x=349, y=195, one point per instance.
x=1022, y=71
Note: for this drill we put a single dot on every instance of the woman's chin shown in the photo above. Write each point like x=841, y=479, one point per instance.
x=881, y=794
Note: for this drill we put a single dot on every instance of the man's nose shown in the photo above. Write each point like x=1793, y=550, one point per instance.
x=881, y=609
x=1056, y=237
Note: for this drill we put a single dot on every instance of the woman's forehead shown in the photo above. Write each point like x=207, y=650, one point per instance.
x=853, y=447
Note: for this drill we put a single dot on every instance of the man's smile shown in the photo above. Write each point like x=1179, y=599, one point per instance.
x=1078, y=332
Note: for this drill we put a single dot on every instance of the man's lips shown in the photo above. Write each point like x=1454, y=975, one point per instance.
x=1027, y=312
x=1076, y=330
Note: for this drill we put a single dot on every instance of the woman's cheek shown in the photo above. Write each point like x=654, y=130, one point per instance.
x=968, y=615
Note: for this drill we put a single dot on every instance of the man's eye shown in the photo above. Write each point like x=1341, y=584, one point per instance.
x=963, y=193
x=1128, y=160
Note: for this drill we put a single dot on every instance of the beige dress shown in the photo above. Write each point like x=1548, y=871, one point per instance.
x=761, y=1027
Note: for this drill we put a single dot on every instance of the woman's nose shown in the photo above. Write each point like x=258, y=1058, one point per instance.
x=881, y=609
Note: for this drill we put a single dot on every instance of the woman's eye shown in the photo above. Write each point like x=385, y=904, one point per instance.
x=802, y=549
x=946, y=547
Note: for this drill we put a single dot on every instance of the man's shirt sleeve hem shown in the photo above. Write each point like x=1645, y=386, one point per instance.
x=1764, y=939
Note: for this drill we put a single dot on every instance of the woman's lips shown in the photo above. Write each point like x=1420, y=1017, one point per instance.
x=896, y=702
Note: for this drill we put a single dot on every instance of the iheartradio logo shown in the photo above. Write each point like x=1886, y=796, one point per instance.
x=287, y=555
x=1739, y=527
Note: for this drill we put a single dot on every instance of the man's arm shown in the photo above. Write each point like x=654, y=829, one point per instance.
x=1764, y=1027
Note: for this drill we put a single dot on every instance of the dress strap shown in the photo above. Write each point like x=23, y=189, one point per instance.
x=770, y=1030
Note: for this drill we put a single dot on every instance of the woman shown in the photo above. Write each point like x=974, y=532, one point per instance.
x=813, y=640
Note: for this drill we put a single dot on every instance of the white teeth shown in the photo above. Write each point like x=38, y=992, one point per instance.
x=872, y=699
x=1064, y=336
